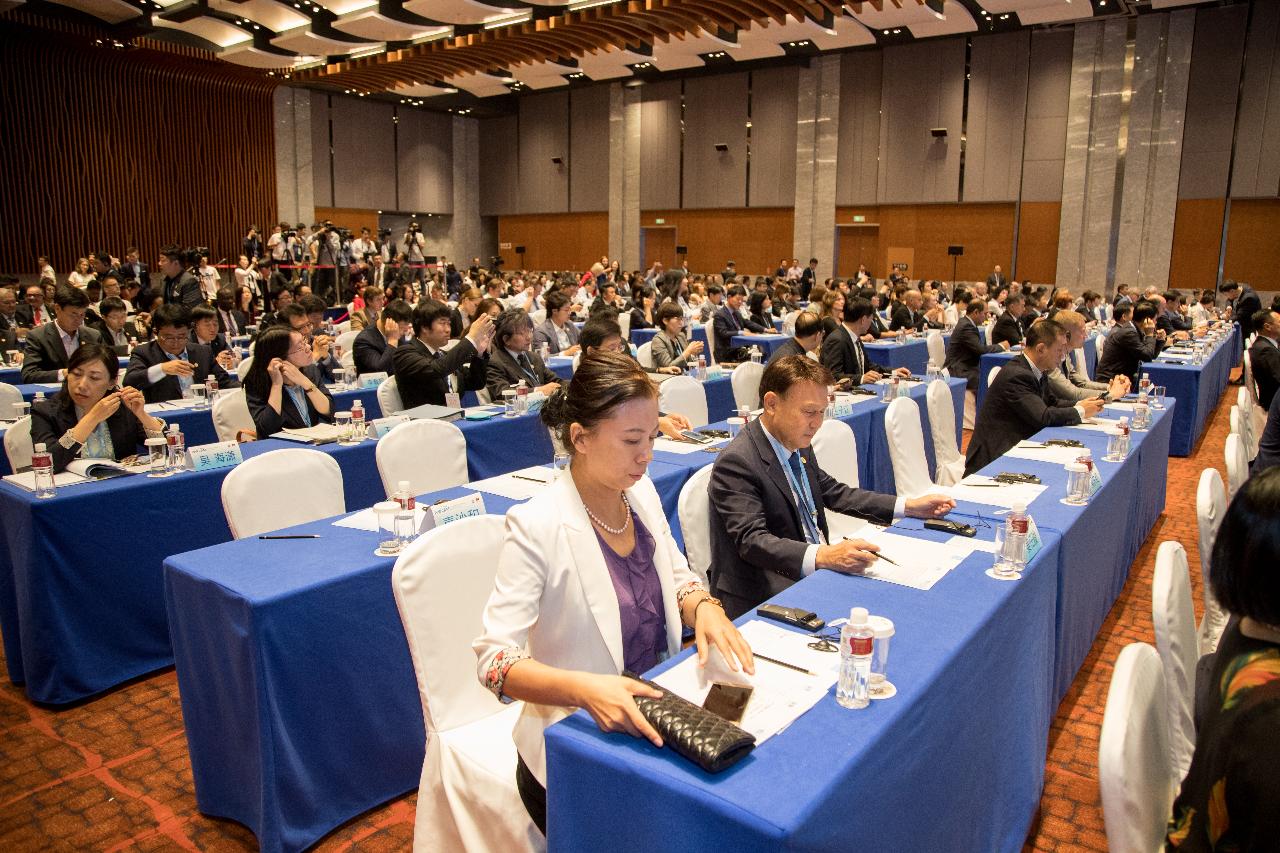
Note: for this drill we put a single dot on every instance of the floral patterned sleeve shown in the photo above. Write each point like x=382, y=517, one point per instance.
x=495, y=677
x=686, y=590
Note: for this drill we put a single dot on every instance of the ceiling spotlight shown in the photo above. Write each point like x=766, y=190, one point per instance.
x=884, y=32
x=1005, y=16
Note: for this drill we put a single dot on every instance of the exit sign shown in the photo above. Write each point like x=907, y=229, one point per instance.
x=504, y=246
x=659, y=222
x=859, y=219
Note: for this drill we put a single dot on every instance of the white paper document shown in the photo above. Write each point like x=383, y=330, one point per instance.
x=1121, y=406
x=1097, y=425
x=779, y=694
x=27, y=479
x=668, y=445
x=919, y=563
x=367, y=519
x=1055, y=454
x=984, y=490
x=152, y=408
x=518, y=485
x=318, y=433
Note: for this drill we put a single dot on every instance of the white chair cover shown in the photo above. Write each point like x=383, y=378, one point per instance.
x=281, y=488
x=694, y=511
x=343, y=327
x=538, y=317
x=937, y=349
x=347, y=341
x=684, y=395
x=389, y=397
x=1237, y=465
x=17, y=444
x=231, y=414
x=837, y=453
x=8, y=396
x=1111, y=313
x=949, y=469
x=1133, y=757
x=950, y=315
x=624, y=323
x=1253, y=417
x=1174, y=617
x=577, y=359
x=906, y=448
x=467, y=797
x=1082, y=366
x=1211, y=506
x=991, y=377
x=745, y=380
x=242, y=369
x=710, y=348
x=645, y=355
x=1247, y=375
x=1101, y=341
x=430, y=454
x=789, y=322
x=970, y=408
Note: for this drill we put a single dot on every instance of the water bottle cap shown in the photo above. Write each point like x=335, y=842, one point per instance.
x=881, y=625
x=402, y=486
x=39, y=448
x=1085, y=453
x=1020, y=507
x=858, y=616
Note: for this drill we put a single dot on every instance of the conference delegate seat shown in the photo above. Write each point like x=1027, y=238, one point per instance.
x=1098, y=346
x=467, y=797
x=389, y=397
x=684, y=395
x=346, y=345
x=231, y=415
x=624, y=323
x=1239, y=424
x=9, y=396
x=1137, y=782
x=949, y=467
x=937, y=349
x=745, y=380
x=17, y=444
x=789, y=322
x=1253, y=417
x=991, y=377
x=242, y=369
x=400, y=456
x=1211, y=506
x=1237, y=464
x=1082, y=366
x=1174, y=617
x=645, y=355
x=836, y=450
x=281, y=488
x=906, y=448
x=693, y=508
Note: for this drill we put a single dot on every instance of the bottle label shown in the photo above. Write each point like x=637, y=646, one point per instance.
x=860, y=645
x=407, y=503
x=1018, y=525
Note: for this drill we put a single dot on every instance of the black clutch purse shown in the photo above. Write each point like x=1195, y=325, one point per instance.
x=709, y=741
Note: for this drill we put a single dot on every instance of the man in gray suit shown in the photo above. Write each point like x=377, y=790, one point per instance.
x=1065, y=381
x=49, y=346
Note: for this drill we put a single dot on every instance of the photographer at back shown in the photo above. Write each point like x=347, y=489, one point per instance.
x=180, y=286
x=325, y=246
x=415, y=253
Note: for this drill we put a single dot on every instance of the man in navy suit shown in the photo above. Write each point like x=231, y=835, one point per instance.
x=165, y=368
x=374, y=348
x=965, y=349
x=769, y=497
x=729, y=321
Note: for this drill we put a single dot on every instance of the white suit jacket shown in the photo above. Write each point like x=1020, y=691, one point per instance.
x=553, y=599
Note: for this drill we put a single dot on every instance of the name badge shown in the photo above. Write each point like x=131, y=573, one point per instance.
x=447, y=512
x=382, y=426
x=208, y=457
x=372, y=380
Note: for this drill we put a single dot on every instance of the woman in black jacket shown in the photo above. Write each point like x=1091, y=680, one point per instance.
x=283, y=388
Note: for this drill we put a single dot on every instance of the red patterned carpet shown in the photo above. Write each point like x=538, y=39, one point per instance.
x=113, y=774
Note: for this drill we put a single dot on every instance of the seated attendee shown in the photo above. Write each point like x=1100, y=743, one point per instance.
x=1134, y=339
x=115, y=327
x=460, y=317
x=608, y=300
x=1091, y=308
x=48, y=347
x=1070, y=384
x=511, y=361
x=1008, y=328
x=760, y=310
x=1020, y=403
x=425, y=372
x=1122, y=295
x=644, y=306
x=769, y=497
x=280, y=299
x=831, y=310
x=558, y=331
x=165, y=368
x=367, y=317
x=283, y=388
x=1269, y=443
x=671, y=347
x=231, y=320
x=965, y=349
x=33, y=311
x=1176, y=316
x=1264, y=355
x=1205, y=311
x=908, y=315
x=806, y=340
x=595, y=542
x=603, y=334
x=1230, y=798
x=322, y=344
x=88, y=419
x=712, y=304
x=204, y=330
x=842, y=351
x=728, y=322
x=374, y=348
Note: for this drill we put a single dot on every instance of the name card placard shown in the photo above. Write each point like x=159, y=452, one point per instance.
x=382, y=426
x=447, y=512
x=714, y=371
x=208, y=457
x=371, y=380
x=1095, y=481
x=841, y=408
x=535, y=401
x=1034, y=542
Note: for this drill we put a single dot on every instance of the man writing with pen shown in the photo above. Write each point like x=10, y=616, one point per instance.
x=769, y=497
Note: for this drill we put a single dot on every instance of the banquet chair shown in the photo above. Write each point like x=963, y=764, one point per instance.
x=538, y=317
x=645, y=355
x=1240, y=426
x=1174, y=617
x=624, y=323
x=389, y=397
x=970, y=408
x=684, y=395
x=281, y=488
x=1082, y=366
x=693, y=508
x=1211, y=506
x=1254, y=417
x=242, y=369
x=949, y=469
x=836, y=451
x=577, y=359
x=937, y=349
x=745, y=381
x=17, y=444
x=991, y=377
x=1099, y=344
x=1237, y=465
x=430, y=454
x=710, y=349
x=467, y=797
x=347, y=341
x=1137, y=782
x=906, y=448
x=9, y=395
x=231, y=415
x=789, y=322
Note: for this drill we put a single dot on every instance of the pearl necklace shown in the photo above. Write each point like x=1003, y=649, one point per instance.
x=616, y=531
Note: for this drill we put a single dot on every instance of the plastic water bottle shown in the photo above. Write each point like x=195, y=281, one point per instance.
x=702, y=368
x=133, y=345
x=1144, y=384
x=522, y=398
x=931, y=371
x=755, y=354
x=856, y=641
x=39, y=398
x=358, y=431
x=1124, y=436
x=404, y=496
x=211, y=388
x=1016, y=526
x=177, y=447
x=42, y=468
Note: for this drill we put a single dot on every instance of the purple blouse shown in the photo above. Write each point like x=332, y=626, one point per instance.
x=635, y=580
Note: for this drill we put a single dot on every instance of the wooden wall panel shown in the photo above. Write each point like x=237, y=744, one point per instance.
x=754, y=239
x=354, y=218
x=1038, y=243
x=1253, y=252
x=554, y=241
x=985, y=231
x=1197, y=236
x=103, y=149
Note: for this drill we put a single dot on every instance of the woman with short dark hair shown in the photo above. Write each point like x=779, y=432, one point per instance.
x=283, y=386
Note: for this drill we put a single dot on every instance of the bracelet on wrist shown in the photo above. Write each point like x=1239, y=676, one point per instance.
x=708, y=599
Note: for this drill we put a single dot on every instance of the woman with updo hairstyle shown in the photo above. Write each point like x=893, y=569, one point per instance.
x=590, y=579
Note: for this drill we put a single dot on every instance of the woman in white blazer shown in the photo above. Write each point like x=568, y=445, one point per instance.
x=590, y=581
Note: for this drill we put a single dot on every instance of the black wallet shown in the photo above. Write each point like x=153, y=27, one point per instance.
x=709, y=741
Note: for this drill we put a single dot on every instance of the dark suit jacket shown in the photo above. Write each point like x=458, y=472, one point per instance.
x=371, y=352
x=1269, y=444
x=1244, y=307
x=169, y=388
x=996, y=282
x=788, y=348
x=8, y=339
x=840, y=353
x=240, y=319
x=904, y=318
x=51, y=418
x=26, y=317
x=503, y=372
x=6, y=323
x=724, y=325
x=143, y=276
x=129, y=330
x=265, y=420
x=1007, y=328
x=638, y=321
x=44, y=355
x=1015, y=408
x=184, y=290
x=965, y=351
x=1264, y=359
x=423, y=378
x=757, y=533
x=1172, y=321
x=1124, y=352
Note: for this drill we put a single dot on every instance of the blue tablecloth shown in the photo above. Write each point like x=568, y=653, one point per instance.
x=720, y=404
x=13, y=375
x=641, y=336
x=767, y=343
x=913, y=355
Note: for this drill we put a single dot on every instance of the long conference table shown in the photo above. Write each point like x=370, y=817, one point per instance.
x=299, y=700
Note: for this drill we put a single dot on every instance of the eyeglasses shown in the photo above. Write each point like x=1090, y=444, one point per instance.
x=172, y=339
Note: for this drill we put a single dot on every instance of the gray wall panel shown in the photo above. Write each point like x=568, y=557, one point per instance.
x=715, y=111
x=589, y=148
x=1048, y=98
x=1256, y=172
x=1211, y=101
x=660, y=145
x=923, y=88
x=425, y=161
x=544, y=134
x=858, y=143
x=364, y=154
x=997, y=113
x=498, y=184
x=773, y=137
x=320, y=157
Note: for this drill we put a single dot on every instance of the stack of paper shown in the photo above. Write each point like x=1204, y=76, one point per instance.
x=917, y=563
x=27, y=479
x=318, y=434
x=367, y=519
x=518, y=485
x=984, y=490
x=1036, y=451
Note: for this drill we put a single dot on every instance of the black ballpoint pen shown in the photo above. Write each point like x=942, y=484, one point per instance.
x=294, y=536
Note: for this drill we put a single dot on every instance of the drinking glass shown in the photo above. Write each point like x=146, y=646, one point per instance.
x=1157, y=396
x=157, y=457
x=1077, y=484
x=199, y=396
x=881, y=687
x=388, y=542
x=343, y=422
x=560, y=462
x=735, y=427
x=509, y=403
